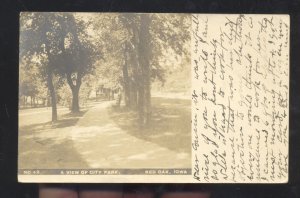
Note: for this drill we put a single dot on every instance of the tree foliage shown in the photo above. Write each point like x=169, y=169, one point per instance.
x=59, y=44
x=123, y=52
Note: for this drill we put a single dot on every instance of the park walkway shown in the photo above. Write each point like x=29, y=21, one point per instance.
x=102, y=144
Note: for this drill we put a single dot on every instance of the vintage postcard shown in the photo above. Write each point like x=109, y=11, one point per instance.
x=153, y=98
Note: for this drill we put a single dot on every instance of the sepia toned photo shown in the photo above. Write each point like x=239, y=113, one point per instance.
x=154, y=98
x=104, y=91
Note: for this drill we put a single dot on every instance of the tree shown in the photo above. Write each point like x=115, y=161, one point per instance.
x=77, y=55
x=150, y=38
x=39, y=39
x=109, y=38
x=144, y=49
x=31, y=83
x=60, y=44
x=145, y=41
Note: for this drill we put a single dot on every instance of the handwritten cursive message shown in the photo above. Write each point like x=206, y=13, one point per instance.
x=240, y=98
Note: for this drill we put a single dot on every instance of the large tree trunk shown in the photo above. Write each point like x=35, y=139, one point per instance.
x=144, y=53
x=75, y=100
x=135, y=78
x=140, y=85
x=126, y=79
x=51, y=86
x=133, y=98
x=75, y=92
x=52, y=95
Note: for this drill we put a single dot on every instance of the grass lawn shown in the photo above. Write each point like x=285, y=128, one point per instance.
x=44, y=144
x=170, y=123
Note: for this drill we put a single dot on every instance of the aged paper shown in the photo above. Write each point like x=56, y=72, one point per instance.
x=153, y=98
x=240, y=83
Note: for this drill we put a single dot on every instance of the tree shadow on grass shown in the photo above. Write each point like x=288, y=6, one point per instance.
x=170, y=123
x=66, y=120
x=48, y=153
x=47, y=145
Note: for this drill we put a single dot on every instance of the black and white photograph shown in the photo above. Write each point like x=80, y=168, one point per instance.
x=104, y=90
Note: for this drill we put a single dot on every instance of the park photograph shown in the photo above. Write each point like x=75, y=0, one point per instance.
x=104, y=90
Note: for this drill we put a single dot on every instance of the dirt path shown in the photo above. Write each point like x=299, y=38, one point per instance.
x=102, y=144
x=93, y=140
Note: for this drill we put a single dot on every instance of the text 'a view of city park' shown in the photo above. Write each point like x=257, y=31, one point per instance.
x=104, y=91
